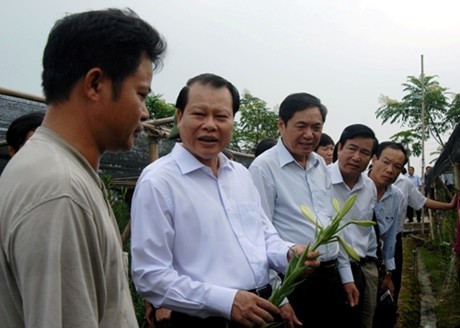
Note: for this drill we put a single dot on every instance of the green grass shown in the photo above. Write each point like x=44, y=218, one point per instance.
x=438, y=258
x=409, y=296
x=439, y=262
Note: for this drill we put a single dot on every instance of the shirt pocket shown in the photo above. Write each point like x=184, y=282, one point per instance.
x=251, y=222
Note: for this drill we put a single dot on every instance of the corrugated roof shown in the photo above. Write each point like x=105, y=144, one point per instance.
x=127, y=164
x=449, y=155
x=123, y=166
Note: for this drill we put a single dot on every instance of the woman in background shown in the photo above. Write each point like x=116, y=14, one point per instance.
x=325, y=148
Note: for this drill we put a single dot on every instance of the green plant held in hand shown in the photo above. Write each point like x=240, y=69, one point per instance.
x=324, y=235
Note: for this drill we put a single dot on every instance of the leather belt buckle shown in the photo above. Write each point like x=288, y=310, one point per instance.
x=264, y=292
x=260, y=290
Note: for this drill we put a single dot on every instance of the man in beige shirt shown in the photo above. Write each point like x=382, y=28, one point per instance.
x=61, y=259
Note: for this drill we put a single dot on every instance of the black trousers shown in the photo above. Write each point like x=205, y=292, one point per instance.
x=410, y=214
x=352, y=315
x=386, y=312
x=396, y=275
x=319, y=302
x=182, y=320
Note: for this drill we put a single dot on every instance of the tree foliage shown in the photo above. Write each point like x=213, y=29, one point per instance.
x=256, y=122
x=441, y=114
x=453, y=114
x=408, y=139
x=158, y=108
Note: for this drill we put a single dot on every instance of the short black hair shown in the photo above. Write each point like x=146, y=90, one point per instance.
x=263, y=145
x=359, y=131
x=21, y=126
x=215, y=81
x=392, y=145
x=297, y=102
x=112, y=39
x=356, y=131
x=325, y=140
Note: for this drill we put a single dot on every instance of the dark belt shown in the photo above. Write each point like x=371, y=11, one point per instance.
x=365, y=260
x=327, y=265
x=264, y=292
x=180, y=320
x=368, y=259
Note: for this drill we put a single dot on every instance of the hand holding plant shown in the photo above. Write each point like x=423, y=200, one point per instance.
x=300, y=262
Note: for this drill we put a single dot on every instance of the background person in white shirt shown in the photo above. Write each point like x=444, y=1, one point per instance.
x=416, y=200
x=415, y=179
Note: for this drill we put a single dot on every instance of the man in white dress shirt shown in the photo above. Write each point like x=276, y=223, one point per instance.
x=201, y=243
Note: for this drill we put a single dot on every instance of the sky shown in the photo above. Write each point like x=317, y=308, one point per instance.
x=347, y=53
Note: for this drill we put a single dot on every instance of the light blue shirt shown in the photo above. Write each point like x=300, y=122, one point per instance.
x=412, y=197
x=284, y=185
x=362, y=239
x=448, y=178
x=388, y=211
x=415, y=179
x=197, y=239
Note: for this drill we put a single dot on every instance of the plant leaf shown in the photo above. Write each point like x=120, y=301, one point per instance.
x=363, y=223
x=323, y=236
x=336, y=205
x=309, y=215
x=350, y=250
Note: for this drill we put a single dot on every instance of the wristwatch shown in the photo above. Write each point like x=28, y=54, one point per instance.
x=388, y=273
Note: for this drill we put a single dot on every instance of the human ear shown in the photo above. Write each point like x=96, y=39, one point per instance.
x=93, y=82
x=280, y=124
x=11, y=151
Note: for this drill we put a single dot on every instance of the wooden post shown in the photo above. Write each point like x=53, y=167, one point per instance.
x=153, y=149
x=422, y=86
x=153, y=156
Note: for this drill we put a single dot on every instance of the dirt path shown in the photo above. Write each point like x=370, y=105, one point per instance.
x=427, y=299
